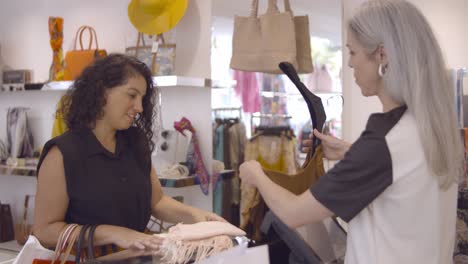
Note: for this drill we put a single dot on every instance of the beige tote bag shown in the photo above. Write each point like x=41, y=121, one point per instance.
x=260, y=43
x=304, y=53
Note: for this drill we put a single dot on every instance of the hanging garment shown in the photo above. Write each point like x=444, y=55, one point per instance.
x=227, y=153
x=219, y=143
x=320, y=80
x=202, y=173
x=306, y=177
x=238, y=140
x=59, y=127
x=247, y=90
x=273, y=153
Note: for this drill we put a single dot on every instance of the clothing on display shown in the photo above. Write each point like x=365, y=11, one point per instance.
x=247, y=90
x=201, y=172
x=274, y=103
x=229, y=144
x=272, y=152
x=320, y=80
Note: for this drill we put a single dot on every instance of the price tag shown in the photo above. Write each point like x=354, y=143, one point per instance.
x=155, y=47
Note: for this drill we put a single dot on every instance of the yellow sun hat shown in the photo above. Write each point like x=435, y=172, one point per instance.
x=156, y=16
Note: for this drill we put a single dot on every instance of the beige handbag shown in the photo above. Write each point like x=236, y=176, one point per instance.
x=304, y=53
x=260, y=43
x=161, y=61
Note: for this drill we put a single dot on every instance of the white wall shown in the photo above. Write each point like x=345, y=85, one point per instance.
x=449, y=20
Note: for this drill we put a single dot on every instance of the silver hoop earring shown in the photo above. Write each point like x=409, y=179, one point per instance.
x=381, y=70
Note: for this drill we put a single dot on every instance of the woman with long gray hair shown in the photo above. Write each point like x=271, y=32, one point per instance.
x=396, y=186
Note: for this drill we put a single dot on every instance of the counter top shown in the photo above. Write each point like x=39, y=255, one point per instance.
x=165, y=182
x=136, y=260
x=8, y=251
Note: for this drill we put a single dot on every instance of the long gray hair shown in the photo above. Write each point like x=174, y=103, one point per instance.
x=416, y=76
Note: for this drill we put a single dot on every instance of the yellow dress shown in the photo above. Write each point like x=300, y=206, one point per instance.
x=273, y=153
x=59, y=126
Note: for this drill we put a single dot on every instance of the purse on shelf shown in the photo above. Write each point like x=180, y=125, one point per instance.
x=78, y=59
x=24, y=229
x=260, y=43
x=6, y=223
x=159, y=57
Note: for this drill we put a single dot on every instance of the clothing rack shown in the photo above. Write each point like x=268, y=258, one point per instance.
x=236, y=110
x=227, y=109
x=269, y=116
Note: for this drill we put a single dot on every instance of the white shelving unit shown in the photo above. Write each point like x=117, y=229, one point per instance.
x=160, y=81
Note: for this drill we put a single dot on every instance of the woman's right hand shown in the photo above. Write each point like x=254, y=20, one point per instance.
x=131, y=239
x=333, y=148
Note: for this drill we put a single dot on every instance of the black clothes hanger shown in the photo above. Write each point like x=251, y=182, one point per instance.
x=273, y=131
x=314, y=103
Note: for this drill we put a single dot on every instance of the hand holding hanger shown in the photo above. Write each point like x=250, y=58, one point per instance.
x=333, y=148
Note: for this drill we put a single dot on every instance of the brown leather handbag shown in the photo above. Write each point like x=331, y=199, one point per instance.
x=78, y=59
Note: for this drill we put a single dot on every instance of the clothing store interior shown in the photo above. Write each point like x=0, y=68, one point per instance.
x=232, y=81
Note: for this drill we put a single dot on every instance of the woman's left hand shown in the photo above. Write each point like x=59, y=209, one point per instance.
x=250, y=171
x=202, y=216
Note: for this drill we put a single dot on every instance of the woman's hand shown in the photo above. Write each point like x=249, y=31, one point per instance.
x=130, y=239
x=199, y=215
x=250, y=171
x=333, y=148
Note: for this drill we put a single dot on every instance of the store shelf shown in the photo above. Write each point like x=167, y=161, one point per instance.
x=160, y=81
x=171, y=81
x=172, y=183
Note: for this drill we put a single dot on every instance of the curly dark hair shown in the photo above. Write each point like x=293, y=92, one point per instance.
x=83, y=103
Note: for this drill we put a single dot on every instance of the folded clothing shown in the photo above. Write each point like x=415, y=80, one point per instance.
x=184, y=243
x=203, y=230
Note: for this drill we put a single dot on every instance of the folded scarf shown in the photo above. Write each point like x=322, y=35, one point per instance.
x=184, y=243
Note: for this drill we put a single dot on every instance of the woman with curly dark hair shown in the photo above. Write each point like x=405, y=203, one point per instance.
x=99, y=172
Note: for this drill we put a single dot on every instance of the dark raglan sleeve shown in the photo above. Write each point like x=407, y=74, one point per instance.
x=354, y=182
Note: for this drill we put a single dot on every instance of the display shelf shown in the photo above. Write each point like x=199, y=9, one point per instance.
x=159, y=81
x=30, y=171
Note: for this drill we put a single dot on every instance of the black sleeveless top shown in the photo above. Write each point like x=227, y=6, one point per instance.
x=103, y=187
